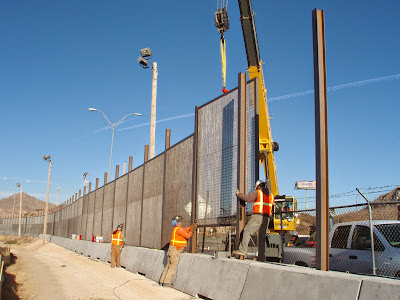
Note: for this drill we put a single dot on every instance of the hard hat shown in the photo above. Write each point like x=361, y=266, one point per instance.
x=294, y=233
x=120, y=226
x=177, y=218
x=259, y=182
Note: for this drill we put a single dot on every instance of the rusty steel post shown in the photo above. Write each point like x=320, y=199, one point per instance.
x=193, y=240
x=97, y=184
x=146, y=153
x=90, y=187
x=84, y=190
x=76, y=196
x=105, y=178
x=130, y=166
x=167, y=138
x=80, y=192
x=321, y=141
x=116, y=171
x=241, y=168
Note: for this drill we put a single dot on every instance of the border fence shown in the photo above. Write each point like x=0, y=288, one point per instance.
x=195, y=178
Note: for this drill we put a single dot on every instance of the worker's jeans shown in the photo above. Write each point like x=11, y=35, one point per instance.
x=255, y=222
x=170, y=268
x=115, y=255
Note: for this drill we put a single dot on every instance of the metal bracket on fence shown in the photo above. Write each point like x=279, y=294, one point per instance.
x=371, y=229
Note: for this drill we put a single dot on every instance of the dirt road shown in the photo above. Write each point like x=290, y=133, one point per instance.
x=51, y=272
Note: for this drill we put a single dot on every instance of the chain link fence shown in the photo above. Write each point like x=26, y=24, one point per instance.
x=350, y=244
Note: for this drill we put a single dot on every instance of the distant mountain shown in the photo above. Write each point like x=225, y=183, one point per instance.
x=29, y=204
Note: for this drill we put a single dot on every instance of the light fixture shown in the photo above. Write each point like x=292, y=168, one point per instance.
x=146, y=52
x=47, y=157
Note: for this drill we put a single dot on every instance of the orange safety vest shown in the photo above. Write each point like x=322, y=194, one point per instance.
x=263, y=204
x=176, y=239
x=116, y=239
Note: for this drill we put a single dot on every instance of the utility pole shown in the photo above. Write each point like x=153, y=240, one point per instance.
x=86, y=174
x=58, y=190
x=46, y=157
x=144, y=61
x=153, y=111
x=20, y=207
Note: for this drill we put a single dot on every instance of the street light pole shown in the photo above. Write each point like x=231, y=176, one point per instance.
x=113, y=126
x=20, y=208
x=58, y=190
x=144, y=61
x=153, y=110
x=46, y=157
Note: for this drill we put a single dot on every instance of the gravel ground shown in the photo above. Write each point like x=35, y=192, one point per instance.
x=51, y=272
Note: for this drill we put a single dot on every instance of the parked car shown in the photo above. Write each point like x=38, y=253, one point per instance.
x=350, y=249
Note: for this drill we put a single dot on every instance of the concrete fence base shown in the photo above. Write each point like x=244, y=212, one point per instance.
x=203, y=276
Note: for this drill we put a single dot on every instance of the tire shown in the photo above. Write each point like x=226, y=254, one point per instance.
x=301, y=264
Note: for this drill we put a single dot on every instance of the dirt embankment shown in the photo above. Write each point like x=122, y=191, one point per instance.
x=10, y=286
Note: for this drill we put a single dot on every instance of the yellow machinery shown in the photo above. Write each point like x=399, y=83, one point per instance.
x=284, y=205
x=267, y=145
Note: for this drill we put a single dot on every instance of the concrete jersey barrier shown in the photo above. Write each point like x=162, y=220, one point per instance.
x=203, y=276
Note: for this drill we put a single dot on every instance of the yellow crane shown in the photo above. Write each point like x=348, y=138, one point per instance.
x=284, y=205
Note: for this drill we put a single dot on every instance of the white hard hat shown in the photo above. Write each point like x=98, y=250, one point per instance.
x=259, y=182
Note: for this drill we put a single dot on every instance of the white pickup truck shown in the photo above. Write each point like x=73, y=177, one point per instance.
x=350, y=249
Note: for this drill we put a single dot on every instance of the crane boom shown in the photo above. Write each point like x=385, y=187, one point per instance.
x=266, y=144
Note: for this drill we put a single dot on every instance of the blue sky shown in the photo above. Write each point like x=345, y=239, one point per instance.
x=58, y=58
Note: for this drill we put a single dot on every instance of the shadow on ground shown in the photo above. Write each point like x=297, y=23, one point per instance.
x=9, y=289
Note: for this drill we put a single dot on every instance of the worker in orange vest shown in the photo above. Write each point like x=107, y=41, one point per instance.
x=263, y=202
x=179, y=237
x=294, y=240
x=117, y=240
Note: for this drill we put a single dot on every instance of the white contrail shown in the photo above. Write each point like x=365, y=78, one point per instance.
x=337, y=87
x=158, y=121
x=284, y=97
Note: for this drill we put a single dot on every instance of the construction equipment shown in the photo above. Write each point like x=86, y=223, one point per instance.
x=222, y=24
x=286, y=220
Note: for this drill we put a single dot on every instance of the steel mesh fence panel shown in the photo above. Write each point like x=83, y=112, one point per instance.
x=98, y=210
x=152, y=202
x=134, y=207
x=177, y=186
x=121, y=192
x=108, y=207
x=217, y=155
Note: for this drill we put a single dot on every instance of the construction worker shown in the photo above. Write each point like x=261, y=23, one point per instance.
x=178, y=241
x=262, y=210
x=117, y=240
x=294, y=240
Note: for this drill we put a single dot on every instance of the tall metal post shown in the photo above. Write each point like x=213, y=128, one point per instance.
x=146, y=153
x=130, y=166
x=193, y=240
x=153, y=110
x=321, y=141
x=47, y=205
x=167, y=138
x=371, y=232
x=241, y=168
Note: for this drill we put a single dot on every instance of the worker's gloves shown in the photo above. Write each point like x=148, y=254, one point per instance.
x=237, y=192
x=193, y=227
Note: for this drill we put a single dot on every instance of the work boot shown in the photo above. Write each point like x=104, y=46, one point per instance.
x=167, y=284
x=240, y=253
